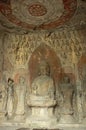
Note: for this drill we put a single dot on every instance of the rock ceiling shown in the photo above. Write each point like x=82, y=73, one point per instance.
x=29, y=15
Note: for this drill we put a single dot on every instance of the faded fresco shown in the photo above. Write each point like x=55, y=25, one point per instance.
x=35, y=14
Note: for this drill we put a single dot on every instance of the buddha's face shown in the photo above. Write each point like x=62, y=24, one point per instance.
x=43, y=70
x=66, y=79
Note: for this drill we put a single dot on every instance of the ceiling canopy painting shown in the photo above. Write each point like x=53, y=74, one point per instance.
x=37, y=14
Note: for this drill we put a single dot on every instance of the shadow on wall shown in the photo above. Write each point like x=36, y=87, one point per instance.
x=4, y=1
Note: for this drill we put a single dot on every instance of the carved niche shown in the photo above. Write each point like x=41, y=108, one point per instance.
x=44, y=52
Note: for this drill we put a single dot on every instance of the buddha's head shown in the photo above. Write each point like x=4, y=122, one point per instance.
x=66, y=79
x=44, y=68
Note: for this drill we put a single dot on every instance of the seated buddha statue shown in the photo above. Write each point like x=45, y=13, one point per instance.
x=43, y=84
x=42, y=97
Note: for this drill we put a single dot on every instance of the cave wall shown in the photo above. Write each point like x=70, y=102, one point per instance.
x=69, y=46
x=19, y=52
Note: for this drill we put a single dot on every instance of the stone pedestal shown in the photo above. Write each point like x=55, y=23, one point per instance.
x=67, y=119
x=19, y=118
x=42, y=114
x=2, y=116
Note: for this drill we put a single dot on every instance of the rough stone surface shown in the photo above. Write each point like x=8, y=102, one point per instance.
x=65, y=52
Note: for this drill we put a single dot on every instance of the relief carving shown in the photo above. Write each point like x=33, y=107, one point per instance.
x=20, y=91
x=43, y=85
x=21, y=47
x=3, y=96
x=10, y=99
x=67, y=93
x=42, y=97
x=60, y=49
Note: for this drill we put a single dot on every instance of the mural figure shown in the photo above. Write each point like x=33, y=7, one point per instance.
x=67, y=94
x=10, y=98
x=21, y=95
x=43, y=85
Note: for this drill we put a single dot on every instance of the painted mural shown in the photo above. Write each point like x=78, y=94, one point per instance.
x=42, y=14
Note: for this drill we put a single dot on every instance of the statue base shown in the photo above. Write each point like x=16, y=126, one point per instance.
x=84, y=121
x=41, y=121
x=42, y=111
x=19, y=118
x=2, y=116
x=67, y=119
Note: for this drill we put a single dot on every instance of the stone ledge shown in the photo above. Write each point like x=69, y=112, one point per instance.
x=58, y=126
x=22, y=128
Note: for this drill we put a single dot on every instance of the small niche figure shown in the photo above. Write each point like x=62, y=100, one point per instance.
x=10, y=98
x=4, y=93
x=67, y=91
x=21, y=96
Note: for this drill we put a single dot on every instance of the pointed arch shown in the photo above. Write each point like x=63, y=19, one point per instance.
x=44, y=52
